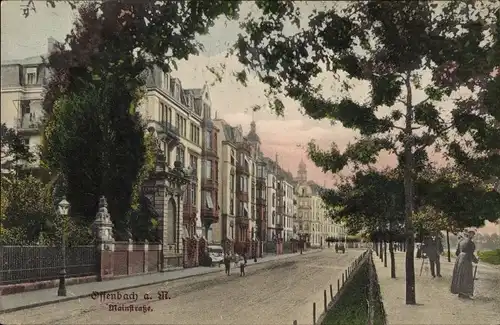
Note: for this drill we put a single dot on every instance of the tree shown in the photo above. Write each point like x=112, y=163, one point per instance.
x=93, y=140
x=370, y=201
x=29, y=6
x=14, y=149
x=388, y=45
x=94, y=136
x=28, y=210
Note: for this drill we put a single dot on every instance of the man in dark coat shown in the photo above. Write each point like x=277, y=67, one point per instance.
x=433, y=248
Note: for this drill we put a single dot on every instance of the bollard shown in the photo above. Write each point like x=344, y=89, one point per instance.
x=338, y=285
x=325, y=303
x=343, y=279
x=331, y=293
x=295, y=322
x=314, y=313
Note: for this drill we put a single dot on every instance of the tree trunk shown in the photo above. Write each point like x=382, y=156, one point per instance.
x=448, y=244
x=385, y=253
x=381, y=251
x=408, y=188
x=393, y=260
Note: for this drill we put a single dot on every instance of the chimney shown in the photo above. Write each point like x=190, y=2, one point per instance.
x=51, y=43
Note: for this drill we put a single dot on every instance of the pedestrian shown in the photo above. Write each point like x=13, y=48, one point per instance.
x=462, y=282
x=243, y=263
x=227, y=263
x=433, y=248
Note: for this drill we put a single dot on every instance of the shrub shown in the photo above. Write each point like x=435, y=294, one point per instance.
x=491, y=257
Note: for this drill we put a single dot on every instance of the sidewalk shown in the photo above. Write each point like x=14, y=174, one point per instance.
x=31, y=299
x=435, y=303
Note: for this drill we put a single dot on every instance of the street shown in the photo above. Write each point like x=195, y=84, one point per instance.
x=276, y=292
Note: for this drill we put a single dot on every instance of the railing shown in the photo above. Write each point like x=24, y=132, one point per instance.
x=29, y=121
x=169, y=127
x=318, y=313
x=39, y=263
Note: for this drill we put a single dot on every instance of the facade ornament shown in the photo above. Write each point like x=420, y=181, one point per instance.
x=103, y=226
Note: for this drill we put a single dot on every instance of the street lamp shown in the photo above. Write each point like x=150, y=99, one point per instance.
x=63, y=208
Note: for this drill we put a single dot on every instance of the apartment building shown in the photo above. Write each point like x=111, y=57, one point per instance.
x=182, y=119
x=288, y=210
x=238, y=185
x=22, y=85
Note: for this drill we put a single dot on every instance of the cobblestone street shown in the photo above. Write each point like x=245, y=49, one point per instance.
x=276, y=292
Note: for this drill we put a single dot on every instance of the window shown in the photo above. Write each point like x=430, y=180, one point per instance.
x=193, y=162
x=163, y=113
x=216, y=169
x=195, y=134
x=241, y=208
x=31, y=76
x=208, y=139
x=181, y=124
x=274, y=200
x=194, y=190
x=232, y=157
x=180, y=155
x=25, y=107
x=169, y=115
x=232, y=182
x=231, y=207
x=245, y=210
x=273, y=220
x=208, y=200
x=208, y=171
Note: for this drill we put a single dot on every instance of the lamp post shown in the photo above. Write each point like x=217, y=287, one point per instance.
x=63, y=208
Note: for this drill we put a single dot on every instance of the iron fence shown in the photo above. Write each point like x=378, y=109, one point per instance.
x=38, y=263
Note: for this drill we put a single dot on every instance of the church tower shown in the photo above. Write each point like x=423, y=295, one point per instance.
x=253, y=137
x=302, y=173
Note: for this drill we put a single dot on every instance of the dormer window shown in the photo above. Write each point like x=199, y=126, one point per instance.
x=31, y=76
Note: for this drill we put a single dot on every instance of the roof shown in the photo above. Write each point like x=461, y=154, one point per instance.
x=252, y=135
x=26, y=61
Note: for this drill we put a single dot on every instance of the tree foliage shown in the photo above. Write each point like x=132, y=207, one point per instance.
x=124, y=39
x=390, y=46
x=14, y=149
x=94, y=140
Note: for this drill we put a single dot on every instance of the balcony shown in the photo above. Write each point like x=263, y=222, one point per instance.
x=166, y=131
x=242, y=221
x=242, y=170
x=242, y=196
x=280, y=192
x=279, y=226
x=209, y=184
x=29, y=123
x=209, y=215
x=260, y=202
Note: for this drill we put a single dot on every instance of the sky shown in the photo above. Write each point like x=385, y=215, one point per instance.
x=285, y=136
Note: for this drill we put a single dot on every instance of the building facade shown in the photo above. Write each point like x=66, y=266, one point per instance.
x=21, y=95
x=181, y=119
x=238, y=186
x=312, y=220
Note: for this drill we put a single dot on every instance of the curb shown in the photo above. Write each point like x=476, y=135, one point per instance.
x=45, y=303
